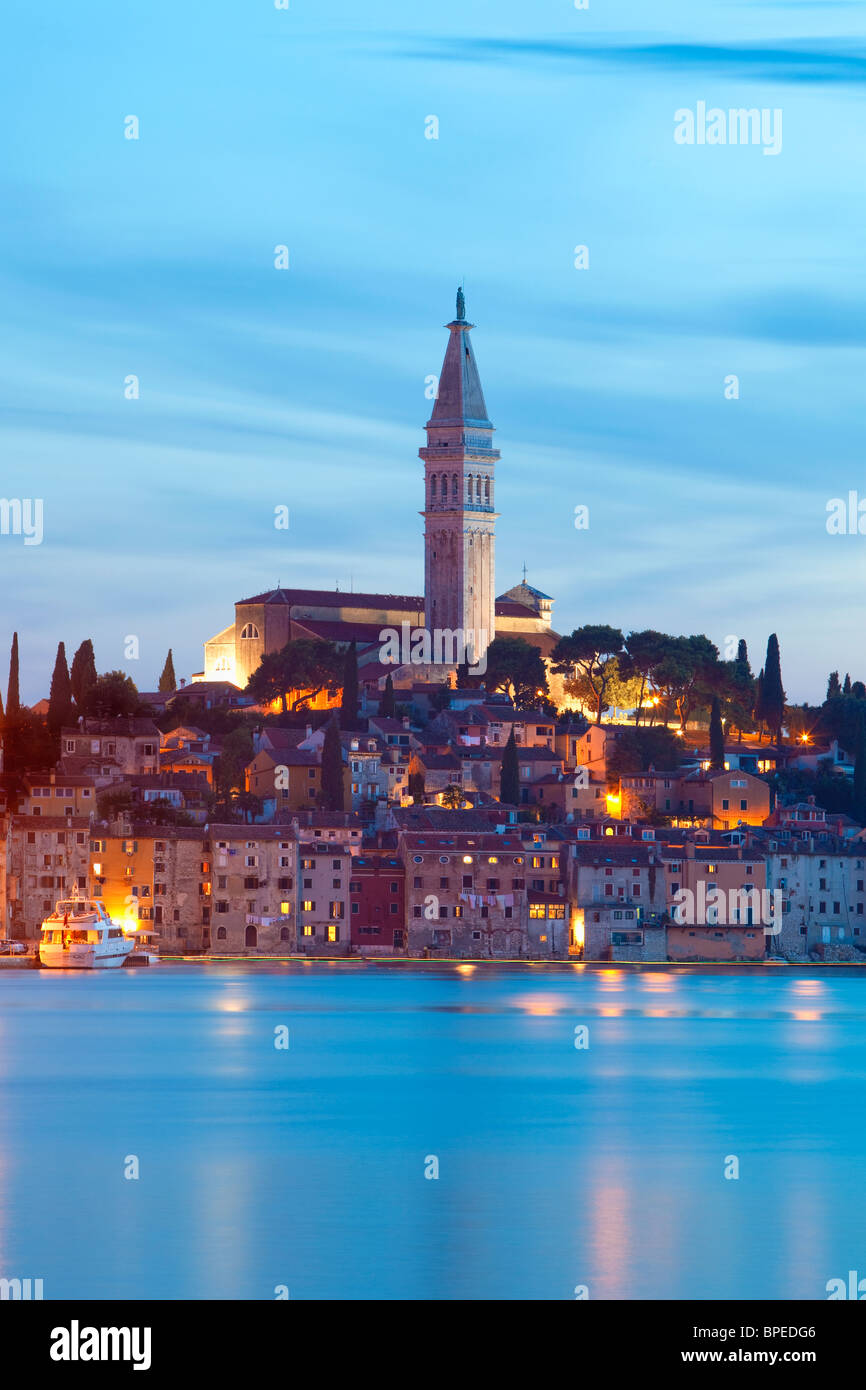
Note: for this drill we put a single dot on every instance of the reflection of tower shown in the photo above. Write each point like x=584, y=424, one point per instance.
x=459, y=517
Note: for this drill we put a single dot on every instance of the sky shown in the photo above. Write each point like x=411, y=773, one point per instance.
x=304, y=387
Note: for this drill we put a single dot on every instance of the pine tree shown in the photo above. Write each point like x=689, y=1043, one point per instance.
x=387, y=704
x=60, y=698
x=858, y=806
x=717, y=737
x=332, y=769
x=13, y=699
x=168, y=680
x=833, y=686
x=83, y=675
x=349, y=702
x=509, y=780
x=773, y=691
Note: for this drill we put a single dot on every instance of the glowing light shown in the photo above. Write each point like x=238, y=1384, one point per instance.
x=467, y=859
x=578, y=929
x=804, y=738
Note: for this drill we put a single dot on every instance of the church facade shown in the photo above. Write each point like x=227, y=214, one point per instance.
x=459, y=558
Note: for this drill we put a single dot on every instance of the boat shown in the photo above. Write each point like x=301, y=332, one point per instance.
x=80, y=935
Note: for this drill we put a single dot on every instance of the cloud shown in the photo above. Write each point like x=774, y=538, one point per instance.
x=803, y=62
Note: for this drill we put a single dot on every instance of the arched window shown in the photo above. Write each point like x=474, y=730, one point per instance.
x=252, y=937
x=222, y=664
x=433, y=488
x=454, y=492
x=469, y=488
x=221, y=933
x=487, y=490
x=249, y=630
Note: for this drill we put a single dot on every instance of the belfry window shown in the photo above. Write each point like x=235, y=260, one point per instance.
x=469, y=488
x=249, y=631
x=433, y=488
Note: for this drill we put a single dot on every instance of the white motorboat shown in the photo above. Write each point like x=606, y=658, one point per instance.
x=80, y=935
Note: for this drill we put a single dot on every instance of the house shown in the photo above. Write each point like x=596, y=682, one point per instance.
x=377, y=903
x=465, y=894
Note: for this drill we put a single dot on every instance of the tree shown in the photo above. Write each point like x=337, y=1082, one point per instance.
x=83, y=674
x=415, y=781
x=509, y=777
x=758, y=708
x=349, y=702
x=516, y=668
x=773, y=692
x=333, y=788
x=717, y=737
x=13, y=698
x=833, y=686
x=441, y=697
x=687, y=674
x=113, y=696
x=304, y=668
x=387, y=704
x=236, y=751
x=644, y=651
x=584, y=655
x=168, y=680
x=741, y=696
x=60, y=698
x=858, y=690
x=846, y=685
x=452, y=797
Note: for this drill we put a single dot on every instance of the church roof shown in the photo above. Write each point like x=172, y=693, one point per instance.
x=460, y=399
x=336, y=598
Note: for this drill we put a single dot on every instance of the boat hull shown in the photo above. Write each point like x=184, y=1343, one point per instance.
x=78, y=958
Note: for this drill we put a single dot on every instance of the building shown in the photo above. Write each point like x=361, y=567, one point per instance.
x=377, y=903
x=125, y=745
x=46, y=858
x=725, y=906
x=459, y=564
x=465, y=894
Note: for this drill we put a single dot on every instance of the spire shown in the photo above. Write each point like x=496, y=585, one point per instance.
x=460, y=399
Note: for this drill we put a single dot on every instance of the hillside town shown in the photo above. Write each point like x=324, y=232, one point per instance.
x=442, y=774
x=426, y=820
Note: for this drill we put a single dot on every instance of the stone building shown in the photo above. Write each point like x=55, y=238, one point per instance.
x=46, y=858
x=466, y=894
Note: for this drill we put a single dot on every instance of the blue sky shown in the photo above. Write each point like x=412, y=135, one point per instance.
x=305, y=387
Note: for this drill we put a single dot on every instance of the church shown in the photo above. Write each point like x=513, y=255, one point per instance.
x=459, y=558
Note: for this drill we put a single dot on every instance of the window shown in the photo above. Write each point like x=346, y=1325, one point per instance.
x=249, y=632
x=308, y=905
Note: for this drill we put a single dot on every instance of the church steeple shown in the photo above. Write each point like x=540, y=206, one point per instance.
x=459, y=511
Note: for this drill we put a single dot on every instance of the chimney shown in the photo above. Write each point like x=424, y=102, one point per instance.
x=309, y=733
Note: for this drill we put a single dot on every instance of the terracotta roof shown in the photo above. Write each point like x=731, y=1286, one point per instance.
x=328, y=598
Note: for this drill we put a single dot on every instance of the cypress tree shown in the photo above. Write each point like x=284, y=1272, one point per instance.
x=773, y=692
x=168, y=680
x=846, y=685
x=13, y=698
x=387, y=705
x=83, y=675
x=509, y=780
x=60, y=699
x=833, y=686
x=742, y=659
x=332, y=769
x=349, y=701
x=717, y=737
x=758, y=711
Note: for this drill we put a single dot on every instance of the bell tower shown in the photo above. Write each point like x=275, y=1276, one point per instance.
x=459, y=516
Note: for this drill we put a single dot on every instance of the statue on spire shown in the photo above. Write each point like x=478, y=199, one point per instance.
x=461, y=304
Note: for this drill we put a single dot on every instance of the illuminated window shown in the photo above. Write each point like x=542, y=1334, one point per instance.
x=249, y=631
